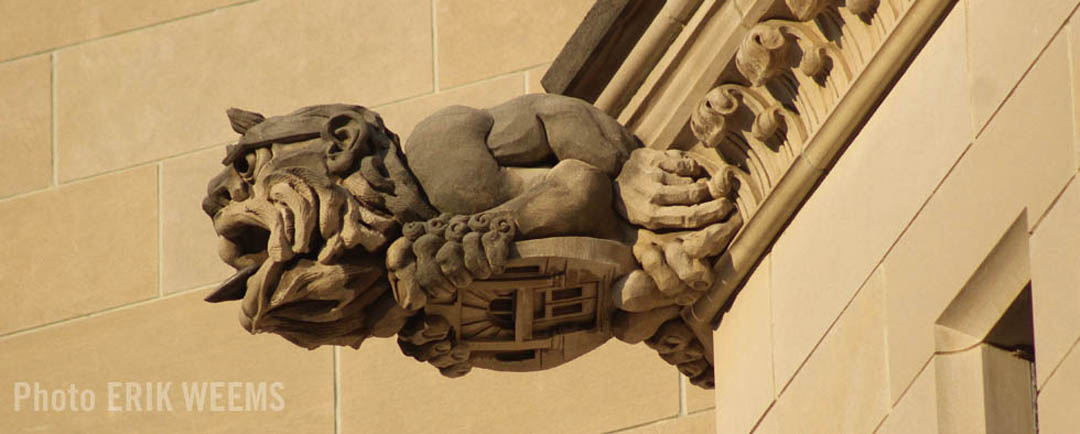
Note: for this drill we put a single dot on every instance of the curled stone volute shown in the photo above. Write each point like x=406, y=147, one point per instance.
x=761, y=55
x=709, y=120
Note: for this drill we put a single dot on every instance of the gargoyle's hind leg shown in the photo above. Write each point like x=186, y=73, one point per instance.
x=573, y=198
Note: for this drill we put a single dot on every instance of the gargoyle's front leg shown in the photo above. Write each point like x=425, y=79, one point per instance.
x=434, y=258
x=574, y=198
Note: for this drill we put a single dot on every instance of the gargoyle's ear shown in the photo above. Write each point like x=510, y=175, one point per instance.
x=241, y=120
x=348, y=135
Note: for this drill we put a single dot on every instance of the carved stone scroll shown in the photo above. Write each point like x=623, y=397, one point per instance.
x=794, y=71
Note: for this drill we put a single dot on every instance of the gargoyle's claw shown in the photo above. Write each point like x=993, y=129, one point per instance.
x=497, y=241
x=407, y=291
x=428, y=273
x=451, y=259
x=475, y=258
x=651, y=257
x=692, y=271
x=712, y=240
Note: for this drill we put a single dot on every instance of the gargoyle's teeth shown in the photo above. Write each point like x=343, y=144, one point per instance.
x=290, y=224
x=234, y=287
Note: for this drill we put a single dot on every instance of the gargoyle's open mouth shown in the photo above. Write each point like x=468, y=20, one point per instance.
x=295, y=223
x=242, y=244
x=245, y=240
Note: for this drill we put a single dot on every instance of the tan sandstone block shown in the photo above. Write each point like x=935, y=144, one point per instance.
x=844, y=386
x=402, y=117
x=698, y=399
x=483, y=38
x=1006, y=35
x=696, y=423
x=176, y=339
x=161, y=91
x=31, y=26
x=26, y=135
x=615, y=386
x=744, y=6
x=533, y=77
x=189, y=244
x=78, y=249
x=916, y=413
x=743, y=353
x=873, y=192
x=769, y=425
x=1055, y=279
x=1074, y=44
x=1059, y=400
x=1021, y=162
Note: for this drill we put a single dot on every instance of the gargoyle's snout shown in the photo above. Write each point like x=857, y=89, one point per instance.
x=223, y=188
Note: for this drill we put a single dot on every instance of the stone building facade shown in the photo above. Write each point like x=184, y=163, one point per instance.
x=875, y=309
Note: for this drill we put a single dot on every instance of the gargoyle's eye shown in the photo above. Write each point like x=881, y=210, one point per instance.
x=245, y=167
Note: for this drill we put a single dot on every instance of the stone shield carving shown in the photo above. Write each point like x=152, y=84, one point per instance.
x=511, y=238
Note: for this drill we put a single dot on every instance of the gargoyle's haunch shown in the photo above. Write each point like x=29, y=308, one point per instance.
x=512, y=238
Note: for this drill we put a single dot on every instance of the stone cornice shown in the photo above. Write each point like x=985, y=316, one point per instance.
x=776, y=89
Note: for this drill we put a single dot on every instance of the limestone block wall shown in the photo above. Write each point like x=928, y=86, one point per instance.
x=112, y=120
x=835, y=330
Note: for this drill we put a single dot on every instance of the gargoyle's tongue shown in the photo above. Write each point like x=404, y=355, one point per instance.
x=234, y=287
x=261, y=286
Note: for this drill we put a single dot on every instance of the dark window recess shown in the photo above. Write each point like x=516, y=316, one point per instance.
x=568, y=309
x=1015, y=330
x=563, y=294
x=522, y=269
x=502, y=310
x=502, y=304
x=515, y=356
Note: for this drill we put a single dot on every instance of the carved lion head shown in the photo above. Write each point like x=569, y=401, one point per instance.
x=304, y=209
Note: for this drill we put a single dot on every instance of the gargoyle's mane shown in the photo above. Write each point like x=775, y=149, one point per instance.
x=385, y=169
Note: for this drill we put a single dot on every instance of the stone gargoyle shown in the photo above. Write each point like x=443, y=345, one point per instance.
x=512, y=238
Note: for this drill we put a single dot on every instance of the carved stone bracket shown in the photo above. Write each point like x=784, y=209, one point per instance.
x=520, y=236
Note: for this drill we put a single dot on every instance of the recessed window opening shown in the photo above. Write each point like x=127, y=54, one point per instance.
x=985, y=358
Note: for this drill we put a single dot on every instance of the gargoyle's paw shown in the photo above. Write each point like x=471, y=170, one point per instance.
x=669, y=190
